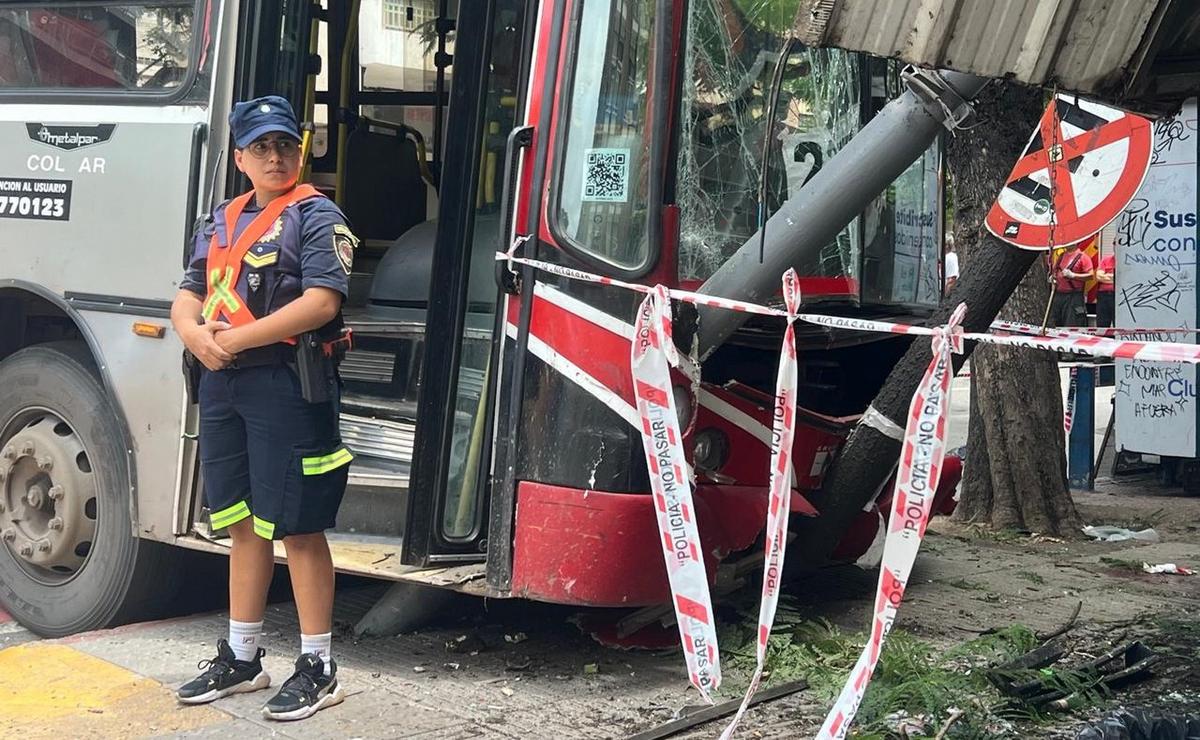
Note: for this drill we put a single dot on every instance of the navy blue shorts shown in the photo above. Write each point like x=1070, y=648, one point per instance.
x=267, y=453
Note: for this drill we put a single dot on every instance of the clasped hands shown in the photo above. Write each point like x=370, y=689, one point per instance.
x=214, y=343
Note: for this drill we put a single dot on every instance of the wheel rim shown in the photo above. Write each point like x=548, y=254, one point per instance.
x=49, y=502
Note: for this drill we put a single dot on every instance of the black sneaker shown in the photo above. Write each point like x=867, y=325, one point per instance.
x=307, y=692
x=224, y=675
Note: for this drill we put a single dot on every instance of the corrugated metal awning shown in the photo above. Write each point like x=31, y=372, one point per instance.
x=1140, y=54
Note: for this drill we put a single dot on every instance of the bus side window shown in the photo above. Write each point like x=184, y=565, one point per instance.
x=115, y=46
x=14, y=64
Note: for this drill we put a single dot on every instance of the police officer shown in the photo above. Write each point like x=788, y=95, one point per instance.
x=264, y=286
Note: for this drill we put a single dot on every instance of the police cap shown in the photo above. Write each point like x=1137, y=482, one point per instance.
x=251, y=119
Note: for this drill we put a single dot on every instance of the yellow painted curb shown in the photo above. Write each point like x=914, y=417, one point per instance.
x=54, y=691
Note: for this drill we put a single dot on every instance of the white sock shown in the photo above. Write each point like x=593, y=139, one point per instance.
x=243, y=638
x=318, y=645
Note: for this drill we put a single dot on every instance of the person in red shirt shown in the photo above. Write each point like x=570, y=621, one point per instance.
x=1071, y=269
x=1106, y=275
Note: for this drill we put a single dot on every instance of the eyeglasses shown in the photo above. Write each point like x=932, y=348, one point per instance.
x=287, y=148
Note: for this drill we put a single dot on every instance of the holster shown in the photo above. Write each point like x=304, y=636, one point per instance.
x=191, y=375
x=318, y=354
x=313, y=369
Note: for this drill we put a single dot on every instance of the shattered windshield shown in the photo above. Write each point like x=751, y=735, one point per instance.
x=733, y=51
x=824, y=96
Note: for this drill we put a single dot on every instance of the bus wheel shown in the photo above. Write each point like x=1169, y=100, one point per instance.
x=69, y=560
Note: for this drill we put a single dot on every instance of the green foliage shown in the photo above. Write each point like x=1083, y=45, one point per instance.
x=913, y=679
x=774, y=16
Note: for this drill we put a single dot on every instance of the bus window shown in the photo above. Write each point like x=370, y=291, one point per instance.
x=602, y=181
x=397, y=49
x=902, y=232
x=732, y=55
x=54, y=46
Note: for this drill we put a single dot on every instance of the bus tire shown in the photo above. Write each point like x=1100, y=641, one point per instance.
x=69, y=559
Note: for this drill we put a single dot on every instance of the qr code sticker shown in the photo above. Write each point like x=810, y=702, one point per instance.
x=606, y=175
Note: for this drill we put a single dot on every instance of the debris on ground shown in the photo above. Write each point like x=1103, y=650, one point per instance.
x=468, y=644
x=1006, y=678
x=691, y=717
x=1037, y=681
x=1138, y=723
x=516, y=638
x=1120, y=534
x=1168, y=568
x=590, y=669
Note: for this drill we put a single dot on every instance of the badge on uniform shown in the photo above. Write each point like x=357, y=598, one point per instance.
x=274, y=232
x=344, y=242
x=258, y=259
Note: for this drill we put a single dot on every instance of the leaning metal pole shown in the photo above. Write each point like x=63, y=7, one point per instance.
x=812, y=218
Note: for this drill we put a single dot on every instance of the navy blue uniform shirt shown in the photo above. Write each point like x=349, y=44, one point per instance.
x=308, y=246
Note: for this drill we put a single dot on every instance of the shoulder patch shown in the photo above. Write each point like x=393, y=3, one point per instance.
x=273, y=232
x=344, y=243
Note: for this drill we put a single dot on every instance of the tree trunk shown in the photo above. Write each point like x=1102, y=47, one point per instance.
x=1007, y=115
x=1015, y=475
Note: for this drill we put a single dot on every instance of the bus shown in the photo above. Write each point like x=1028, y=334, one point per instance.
x=497, y=448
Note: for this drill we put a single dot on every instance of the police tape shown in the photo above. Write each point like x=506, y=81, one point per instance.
x=922, y=455
x=1075, y=331
x=698, y=299
x=1062, y=340
x=1098, y=346
x=783, y=433
x=652, y=348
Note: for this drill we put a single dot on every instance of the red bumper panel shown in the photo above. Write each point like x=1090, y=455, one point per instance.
x=603, y=549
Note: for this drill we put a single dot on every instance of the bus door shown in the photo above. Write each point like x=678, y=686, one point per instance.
x=104, y=122
x=452, y=471
x=591, y=196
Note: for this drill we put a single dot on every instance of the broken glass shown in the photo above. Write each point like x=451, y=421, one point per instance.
x=733, y=49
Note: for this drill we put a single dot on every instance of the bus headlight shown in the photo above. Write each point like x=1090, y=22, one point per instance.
x=711, y=449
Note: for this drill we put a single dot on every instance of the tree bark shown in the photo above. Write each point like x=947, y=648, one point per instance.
x=1015, y=475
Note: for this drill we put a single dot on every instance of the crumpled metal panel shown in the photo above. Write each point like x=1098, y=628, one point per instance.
x=1087, y=46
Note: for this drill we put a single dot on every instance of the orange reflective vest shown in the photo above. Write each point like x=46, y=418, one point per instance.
x=225, y=263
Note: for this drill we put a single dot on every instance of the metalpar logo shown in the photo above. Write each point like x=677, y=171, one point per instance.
x=69, y=138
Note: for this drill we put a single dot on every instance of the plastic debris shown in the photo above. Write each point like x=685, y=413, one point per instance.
x=1138, y=723
x=516, y=638
x=469, y=644
x=1170, y=568
x=1119, y=534
x=507, y=691
x=591, y=669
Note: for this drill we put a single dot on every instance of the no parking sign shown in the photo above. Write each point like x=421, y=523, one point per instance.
x=1083, y=165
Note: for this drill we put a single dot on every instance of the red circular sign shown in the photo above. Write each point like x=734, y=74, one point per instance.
x=1083, y=165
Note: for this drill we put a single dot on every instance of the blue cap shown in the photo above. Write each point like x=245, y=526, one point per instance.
x=251, y=119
